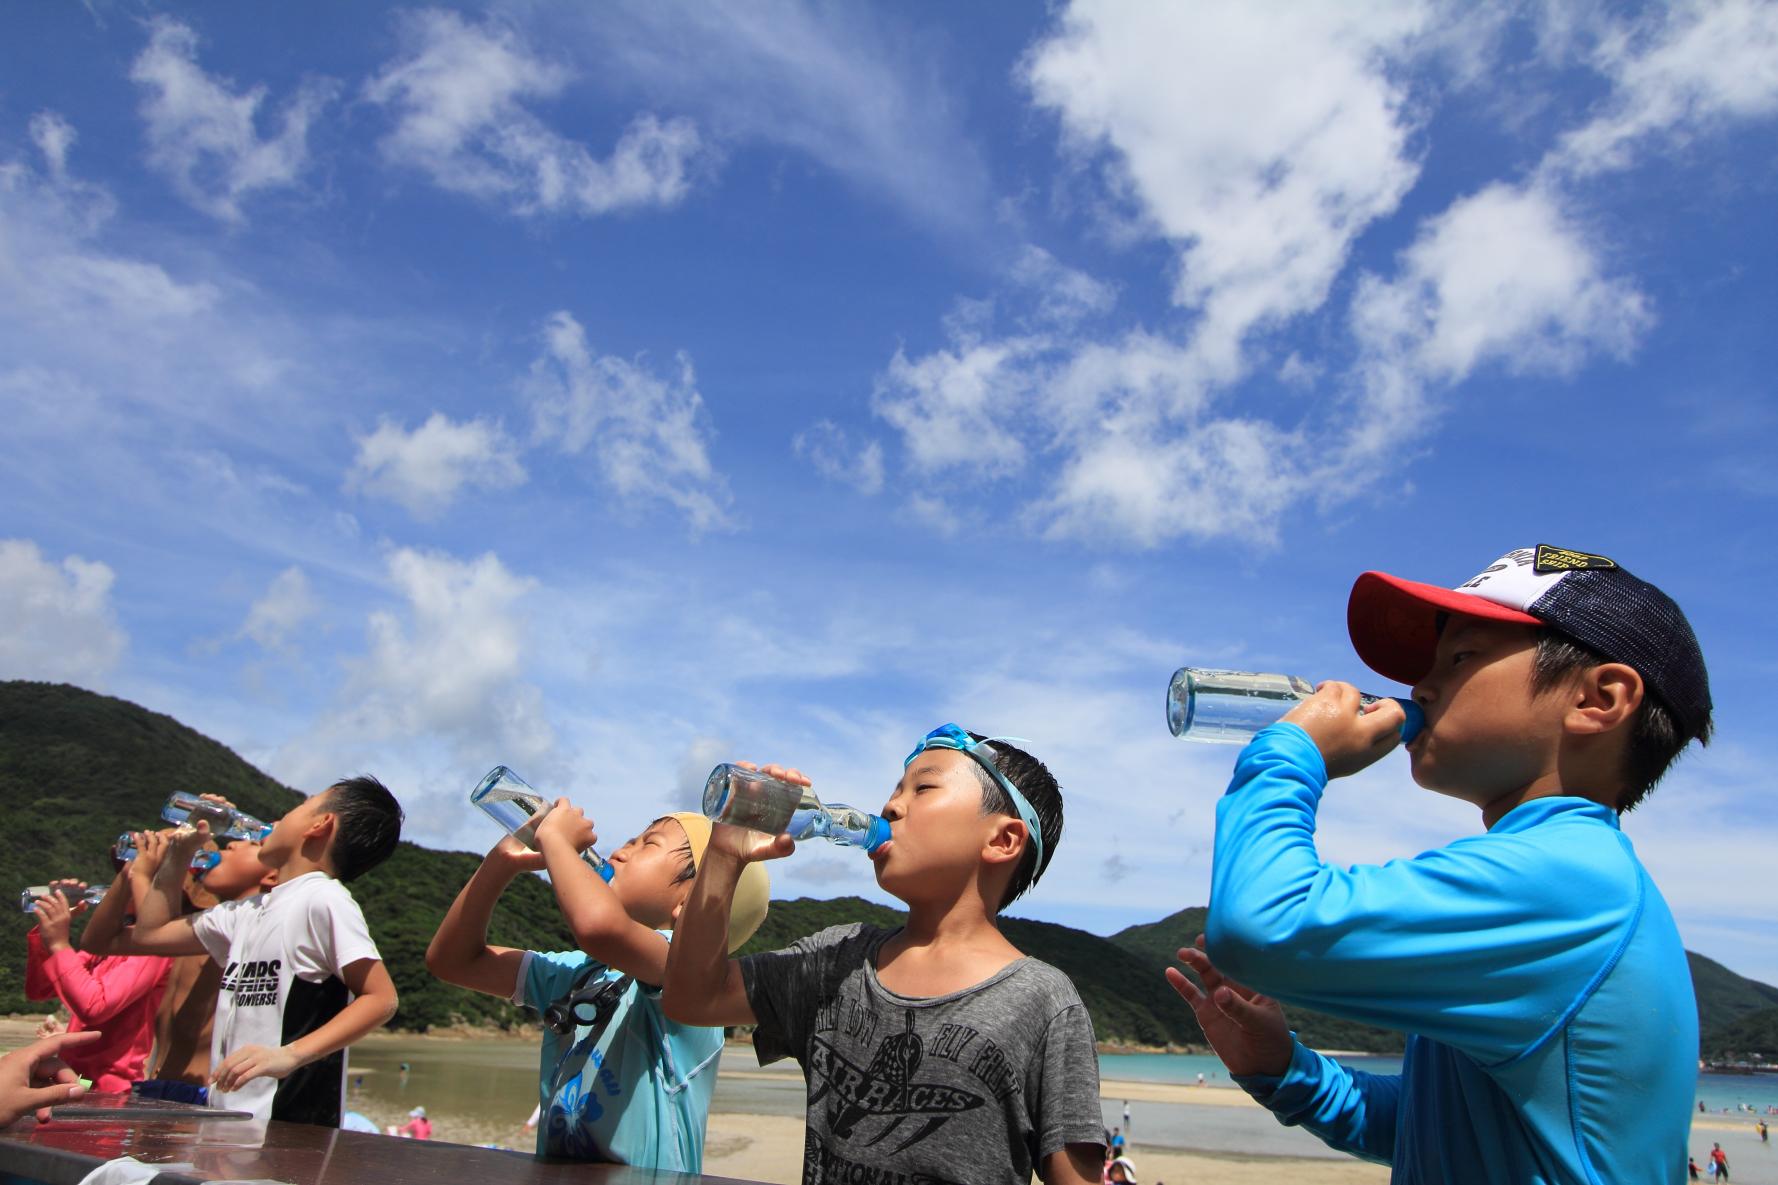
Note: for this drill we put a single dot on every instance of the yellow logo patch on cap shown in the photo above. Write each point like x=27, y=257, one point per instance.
x=1560, y=559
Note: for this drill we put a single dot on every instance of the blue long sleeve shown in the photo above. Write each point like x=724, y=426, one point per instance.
x=1536, y=969
x=1487, y=944
x=1351, y=1110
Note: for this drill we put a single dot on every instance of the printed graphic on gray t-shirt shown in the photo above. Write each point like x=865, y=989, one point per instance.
x=977, y=1086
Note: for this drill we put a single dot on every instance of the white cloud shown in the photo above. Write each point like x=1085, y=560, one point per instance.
x=843, y=84
x=1501, y=276
x=59, y=620
x=951, y=405
x=828, y=449
x=1692, y=67
x=649, y=434
x=202, y=134
x=449, y=665
x=425, y=469
x=54, y=136
x=1065, y=295
x=458, y=93
x=1260, y=147
x=288, y=602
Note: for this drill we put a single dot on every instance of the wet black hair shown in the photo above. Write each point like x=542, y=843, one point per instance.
x=1039, y=787
x=366, y=828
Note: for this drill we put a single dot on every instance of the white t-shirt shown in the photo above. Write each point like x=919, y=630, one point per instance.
x=281, y=954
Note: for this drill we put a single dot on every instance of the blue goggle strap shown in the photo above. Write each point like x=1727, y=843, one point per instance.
x=950, y=736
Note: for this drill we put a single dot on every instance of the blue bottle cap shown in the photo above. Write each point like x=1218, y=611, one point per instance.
x=877, y=835
x=1416, y=719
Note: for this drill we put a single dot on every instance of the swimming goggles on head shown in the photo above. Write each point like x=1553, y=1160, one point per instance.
x=949, y=736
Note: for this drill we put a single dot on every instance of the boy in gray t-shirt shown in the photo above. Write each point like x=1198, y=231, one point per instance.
x=934, y=1052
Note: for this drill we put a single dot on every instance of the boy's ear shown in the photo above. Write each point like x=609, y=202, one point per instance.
x=321, y=826
x=1606, y=697
x=1006, y=842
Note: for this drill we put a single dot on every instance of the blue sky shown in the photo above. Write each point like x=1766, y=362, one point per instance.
x=609, y=391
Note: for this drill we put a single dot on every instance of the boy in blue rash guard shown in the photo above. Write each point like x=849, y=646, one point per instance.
x=1539, y=974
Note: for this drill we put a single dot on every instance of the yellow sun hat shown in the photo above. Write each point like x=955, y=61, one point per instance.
x=753, y=894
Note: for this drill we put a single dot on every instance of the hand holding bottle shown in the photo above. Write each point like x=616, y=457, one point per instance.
x=566, y=823
x=151, y=852
x=1350, y=734
x=54, y=915
x=747, y=845
x=515, y=857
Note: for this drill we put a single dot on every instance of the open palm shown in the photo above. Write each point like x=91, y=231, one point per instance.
x=1247, y=1030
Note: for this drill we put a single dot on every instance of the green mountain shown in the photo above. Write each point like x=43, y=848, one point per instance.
x=1753, y=1034
x=76, y=768
x=1156, y=945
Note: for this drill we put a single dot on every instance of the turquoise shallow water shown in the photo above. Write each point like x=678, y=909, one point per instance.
x=1718, y=1092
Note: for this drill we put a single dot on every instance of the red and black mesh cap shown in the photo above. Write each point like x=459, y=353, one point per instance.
x=1393, y=622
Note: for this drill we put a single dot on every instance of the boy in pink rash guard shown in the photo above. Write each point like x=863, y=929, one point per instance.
x=119, y=994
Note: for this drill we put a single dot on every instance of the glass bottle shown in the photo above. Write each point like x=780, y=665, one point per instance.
x=750, y=799
x=202, y=860
x=187, y=810
x=511, y=801
x=28, y=898
x=1228, y=707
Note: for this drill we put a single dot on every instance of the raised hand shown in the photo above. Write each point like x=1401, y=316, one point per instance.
x=53, y=917
x=516, y=856
x=1247, y=1030
x=566, y=822
x=1349, y=734
x=151, y=852
x=748, y=845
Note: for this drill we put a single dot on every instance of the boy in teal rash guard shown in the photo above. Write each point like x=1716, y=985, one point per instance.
x=1538, y=972
x=618, y=1081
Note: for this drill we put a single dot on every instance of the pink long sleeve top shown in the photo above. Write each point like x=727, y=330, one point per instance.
x=117, y=994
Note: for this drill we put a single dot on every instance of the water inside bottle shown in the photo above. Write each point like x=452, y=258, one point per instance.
x=511, y=802
x=1229, y=706
x=748, y=798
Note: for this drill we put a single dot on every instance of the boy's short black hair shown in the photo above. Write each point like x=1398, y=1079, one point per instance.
x=366, y=828
x=1039, y=787
x=1656, y=736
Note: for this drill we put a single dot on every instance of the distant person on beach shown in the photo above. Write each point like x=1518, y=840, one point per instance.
x=118, y=994
x=1762, y=1132
x=301, y=977
x=932, y=1050
x=1720, y=1161
x=617, y=1080
x=1117, y=1142
x=1691, y=1167
x=184, y=1023
x=417, y=1127
x=1536, y=968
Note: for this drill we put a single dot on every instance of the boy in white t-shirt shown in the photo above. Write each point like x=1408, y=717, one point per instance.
x=301, y=977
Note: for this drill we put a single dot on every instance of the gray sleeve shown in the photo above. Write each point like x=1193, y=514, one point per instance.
x=784, y=988
x=1065, y=1101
